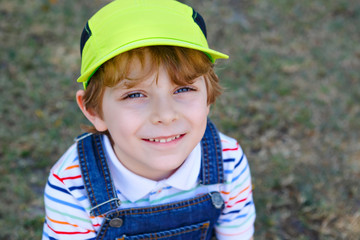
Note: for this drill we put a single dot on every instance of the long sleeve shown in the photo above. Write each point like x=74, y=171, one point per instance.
x=66, y=204
x=237, y=219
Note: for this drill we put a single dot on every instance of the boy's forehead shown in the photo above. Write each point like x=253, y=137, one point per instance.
x=142, y=81
x=148, y=81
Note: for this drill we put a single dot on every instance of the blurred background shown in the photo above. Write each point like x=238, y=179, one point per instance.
x=292, y=99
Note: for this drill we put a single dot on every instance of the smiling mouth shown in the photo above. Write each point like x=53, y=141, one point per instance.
x=165, y=140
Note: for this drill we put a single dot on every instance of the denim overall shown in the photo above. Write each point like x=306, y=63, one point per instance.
x=190, y=219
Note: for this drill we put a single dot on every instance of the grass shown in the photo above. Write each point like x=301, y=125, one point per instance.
x=291, y=99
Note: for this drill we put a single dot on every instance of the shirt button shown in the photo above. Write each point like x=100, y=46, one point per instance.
x=116, y=222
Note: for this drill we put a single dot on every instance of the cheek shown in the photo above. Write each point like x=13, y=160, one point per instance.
x=198, y=111
x=122, y=121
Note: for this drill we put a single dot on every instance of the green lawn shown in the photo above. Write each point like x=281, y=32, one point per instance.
x=292, y=99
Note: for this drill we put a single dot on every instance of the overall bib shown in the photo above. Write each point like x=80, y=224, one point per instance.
x=190, y=219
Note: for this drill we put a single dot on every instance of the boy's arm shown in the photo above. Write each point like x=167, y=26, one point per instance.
x=66, y=203
x=65, y=217
x=237, y=219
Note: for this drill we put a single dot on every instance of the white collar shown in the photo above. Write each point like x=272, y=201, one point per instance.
x=128, y=182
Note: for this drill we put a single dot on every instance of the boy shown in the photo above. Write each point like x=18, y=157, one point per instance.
x=152, y=165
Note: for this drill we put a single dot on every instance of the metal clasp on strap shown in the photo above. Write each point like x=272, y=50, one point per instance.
x=216, y=199
x=117, y=202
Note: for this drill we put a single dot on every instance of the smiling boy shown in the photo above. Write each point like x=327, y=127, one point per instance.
x=153, y=166
x=155, y=124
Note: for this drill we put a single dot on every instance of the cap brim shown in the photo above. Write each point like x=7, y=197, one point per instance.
x=212, y=54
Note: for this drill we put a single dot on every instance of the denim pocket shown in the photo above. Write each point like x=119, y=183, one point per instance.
x=192, y=232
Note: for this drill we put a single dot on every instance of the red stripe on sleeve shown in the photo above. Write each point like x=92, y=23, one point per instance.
x=231, y=149
x=239, y=201
x=58, y=178
x=74, y=177
x=68, y=233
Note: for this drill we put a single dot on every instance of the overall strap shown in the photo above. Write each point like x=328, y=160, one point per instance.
x=212, y=171
x=96, y=174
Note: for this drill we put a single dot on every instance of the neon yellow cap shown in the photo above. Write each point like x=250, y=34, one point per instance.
x=123, y=25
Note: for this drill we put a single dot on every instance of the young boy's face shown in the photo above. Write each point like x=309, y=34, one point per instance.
x=156, y=124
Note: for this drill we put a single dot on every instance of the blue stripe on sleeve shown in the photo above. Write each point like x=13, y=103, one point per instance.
x=64, y=203
x=76, y=158
x=229, y=160
x=76, y=188
x=242, y=157
x=81, y=198
x=58, y=188
x=238, y=176
x=45, y=234
x=238, y=211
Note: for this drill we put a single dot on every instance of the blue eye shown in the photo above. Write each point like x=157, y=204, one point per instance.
x=134, y=95
x=184, y=89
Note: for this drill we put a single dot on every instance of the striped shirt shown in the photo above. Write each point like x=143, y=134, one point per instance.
x=68, y=208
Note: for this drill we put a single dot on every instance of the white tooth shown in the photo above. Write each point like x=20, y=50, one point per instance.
x=163, y=140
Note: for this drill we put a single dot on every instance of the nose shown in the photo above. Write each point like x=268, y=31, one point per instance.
x=164, y=111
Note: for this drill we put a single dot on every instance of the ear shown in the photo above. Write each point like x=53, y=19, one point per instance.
x=90, y=114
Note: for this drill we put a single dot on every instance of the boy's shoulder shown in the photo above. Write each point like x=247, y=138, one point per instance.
x=66, y=174
x=230, y=146
x=68, y=164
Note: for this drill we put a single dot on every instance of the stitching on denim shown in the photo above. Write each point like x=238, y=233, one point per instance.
x=205, y=159
x=105, y=227
x=181, y=232
x=208, y=173
x=216, y=153
x=103, y=165
x=142, y=210
x=201, y=227
x=218, y=149
x=103, y=232
x=205, y=227
x=207, y=162
x=87, y=183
